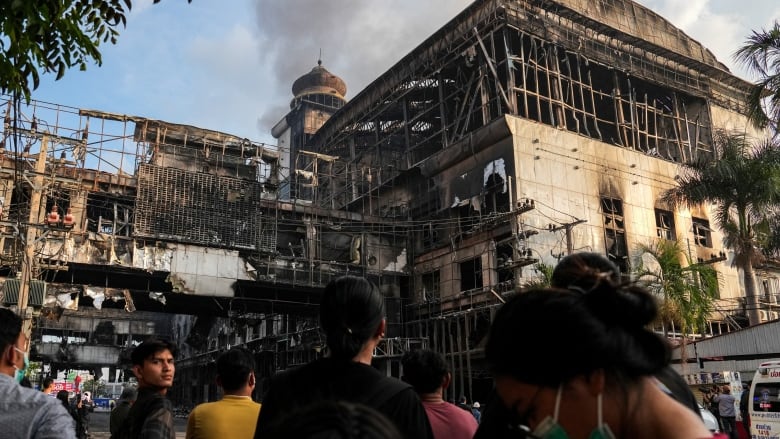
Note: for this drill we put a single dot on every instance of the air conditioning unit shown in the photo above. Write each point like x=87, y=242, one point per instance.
x=763, y=316
x=11, y=291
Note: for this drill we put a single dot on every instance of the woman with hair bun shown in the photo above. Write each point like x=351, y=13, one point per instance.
x=352, y=316
x=580, y=363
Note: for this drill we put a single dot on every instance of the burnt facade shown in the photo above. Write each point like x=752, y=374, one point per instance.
x=519, y=132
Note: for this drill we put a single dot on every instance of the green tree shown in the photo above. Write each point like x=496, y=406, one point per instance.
x=686, y=292
x=51, y=36
x=742, y=182
x=544, y=278
x=96, y=387
x=760, y=55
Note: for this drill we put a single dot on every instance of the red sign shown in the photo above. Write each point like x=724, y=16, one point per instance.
x=62, y=385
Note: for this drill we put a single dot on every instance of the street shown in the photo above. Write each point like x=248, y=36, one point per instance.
x=98, y=426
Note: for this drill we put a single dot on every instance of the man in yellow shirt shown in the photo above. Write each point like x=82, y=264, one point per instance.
x=235, y=415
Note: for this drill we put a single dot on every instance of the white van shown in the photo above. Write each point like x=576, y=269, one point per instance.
x=764, y=401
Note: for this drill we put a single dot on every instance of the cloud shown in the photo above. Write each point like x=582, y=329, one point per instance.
x=720, y=25
x=359, y=40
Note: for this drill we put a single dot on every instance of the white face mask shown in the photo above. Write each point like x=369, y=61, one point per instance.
x=549, y=428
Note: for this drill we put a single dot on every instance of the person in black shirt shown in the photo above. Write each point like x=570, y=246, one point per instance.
x=352, y=317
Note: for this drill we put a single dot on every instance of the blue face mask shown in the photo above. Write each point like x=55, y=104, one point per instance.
x=20, y=373
x=549, y=428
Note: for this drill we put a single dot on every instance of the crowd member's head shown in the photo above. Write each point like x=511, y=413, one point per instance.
x=48, y=385
x=426, y=371
x=352, y=314
x=584, y=270
x=594, y=343
x=236, y=372
x=335, y=420
x=129, y=394
x=62, y=395
x=153, y=364
x=13, y=345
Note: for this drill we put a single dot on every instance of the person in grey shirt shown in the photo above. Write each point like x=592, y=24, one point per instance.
x=728, y=412
x=25, y=413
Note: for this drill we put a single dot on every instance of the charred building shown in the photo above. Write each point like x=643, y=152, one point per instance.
x=519, y=132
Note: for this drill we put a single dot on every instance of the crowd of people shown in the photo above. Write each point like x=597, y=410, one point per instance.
x=575, y=360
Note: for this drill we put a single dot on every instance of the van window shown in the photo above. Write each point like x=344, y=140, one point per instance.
x=766, y=397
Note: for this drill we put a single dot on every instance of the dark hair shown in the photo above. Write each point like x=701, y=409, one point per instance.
x=573, y=332
x=48, y=381
x=583, y=270
x=10, y=328
x=128, y=394
x=62, y=395
x=424, y=370
x=334, y=420
x=150, y=347
x=350, y=312
x=234, y=367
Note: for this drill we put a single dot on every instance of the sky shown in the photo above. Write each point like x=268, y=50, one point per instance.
x=228, y=65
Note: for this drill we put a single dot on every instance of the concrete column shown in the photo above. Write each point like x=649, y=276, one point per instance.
x=78, y=207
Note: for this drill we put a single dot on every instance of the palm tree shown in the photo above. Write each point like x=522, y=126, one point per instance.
x=543, y=278
x=761, y=56
x=742, y=182
x=686, y=292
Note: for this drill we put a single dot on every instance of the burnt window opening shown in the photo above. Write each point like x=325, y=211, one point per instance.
x=565, y=89
x=430, y=236
x=496, y=195
x=664, y=225
x=615, y=234
x=431, y=287
x=612, y=209
x=702, y=235
x=505, y=262
x=771, y=290
x=19, y=208
x=468, y=218
x=471, y=274
x=109, y=214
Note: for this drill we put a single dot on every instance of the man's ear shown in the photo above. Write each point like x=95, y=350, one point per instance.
x=446, y=381
x=251, y=381
x=8, y=356
x=380, y=330
x=137, y=369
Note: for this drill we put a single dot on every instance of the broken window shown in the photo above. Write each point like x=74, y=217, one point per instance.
x=505, y=261
x=615, y=233
x=471, y=274
x=496, y=194
x=431, y=284
x=702, y=235
x=109, y=213
x=430, y=236
x=468, y=218
x=664, y=225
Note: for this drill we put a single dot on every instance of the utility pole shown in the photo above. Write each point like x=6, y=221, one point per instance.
x=32, y=230
x=567, y=227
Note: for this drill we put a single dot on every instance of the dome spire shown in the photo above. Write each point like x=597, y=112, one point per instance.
x=319, y=80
